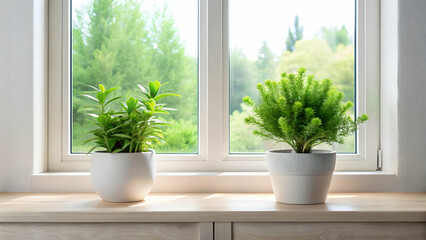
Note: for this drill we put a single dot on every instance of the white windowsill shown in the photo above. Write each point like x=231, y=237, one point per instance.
x=248, y=182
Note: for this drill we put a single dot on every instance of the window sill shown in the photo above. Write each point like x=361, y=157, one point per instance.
x=225, y=182
x=211, y=207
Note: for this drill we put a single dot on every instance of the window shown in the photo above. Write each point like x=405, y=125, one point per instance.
x=125, y=43
x=319, y=38
x=213, y=53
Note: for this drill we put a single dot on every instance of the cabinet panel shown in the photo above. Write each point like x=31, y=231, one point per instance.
x=328, y=231
x=104, y=231
x=222, y=231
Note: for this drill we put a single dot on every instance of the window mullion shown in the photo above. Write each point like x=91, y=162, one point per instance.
x=215, y=84
x=203, y=75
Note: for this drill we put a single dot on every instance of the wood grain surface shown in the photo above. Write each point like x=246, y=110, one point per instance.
x=88, y=207
x=222, y=231
x=329, y=231
x=104, y=231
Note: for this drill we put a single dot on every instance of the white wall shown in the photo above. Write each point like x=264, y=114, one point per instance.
x=40, y=83
x=412, y=95
x=22, y=71
x=16, y=94
x=389, y=84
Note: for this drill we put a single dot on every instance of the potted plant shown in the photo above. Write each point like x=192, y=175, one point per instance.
x=124, y=168
x=302, y=112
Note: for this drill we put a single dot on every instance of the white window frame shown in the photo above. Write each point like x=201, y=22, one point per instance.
x=213, y=94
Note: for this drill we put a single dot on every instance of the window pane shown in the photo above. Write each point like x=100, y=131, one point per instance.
x=125, y=43
x=270, y=37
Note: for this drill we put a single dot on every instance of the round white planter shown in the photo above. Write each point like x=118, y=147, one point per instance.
x=301, y=178
x=123, y=177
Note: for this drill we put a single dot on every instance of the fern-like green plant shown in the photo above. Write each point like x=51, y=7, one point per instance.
x=131, y=128
x=302, y=112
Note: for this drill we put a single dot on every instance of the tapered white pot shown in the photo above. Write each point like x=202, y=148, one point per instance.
x=123, y=177
x=301, y=178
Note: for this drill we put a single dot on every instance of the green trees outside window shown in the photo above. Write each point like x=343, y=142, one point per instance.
x=125, y=43
x=319, y=41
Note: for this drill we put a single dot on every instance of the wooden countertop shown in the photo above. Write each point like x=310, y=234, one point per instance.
x=211, y=207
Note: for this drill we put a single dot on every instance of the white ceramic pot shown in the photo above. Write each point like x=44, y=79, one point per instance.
x=123, y=177
x=301, y=178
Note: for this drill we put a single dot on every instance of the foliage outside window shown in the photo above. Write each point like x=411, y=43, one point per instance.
x=125, y=43
x=320, y=40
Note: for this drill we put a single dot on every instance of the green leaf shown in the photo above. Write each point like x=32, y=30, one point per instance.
x=101, y=97
x=122, y=135
x=89, y=140
x=97, y=106
x=93, y=148
x=107, y=92
x=158, y=97
x=110, y=101
x=154, y=87
x=160, y=111
x=101, y=88
x=124, y=107
x=94, y=88
x=117, y=127
x=158, y=121
x=104, y=119
x=144, y=91
x=132, y=105
x=169, y=109
x=105, y=140
x=150, y=104
x=121, y=149
x=91, y=97
x=112, y=142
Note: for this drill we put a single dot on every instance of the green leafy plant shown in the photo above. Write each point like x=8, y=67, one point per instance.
x=131, y=128
x=302, y=112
